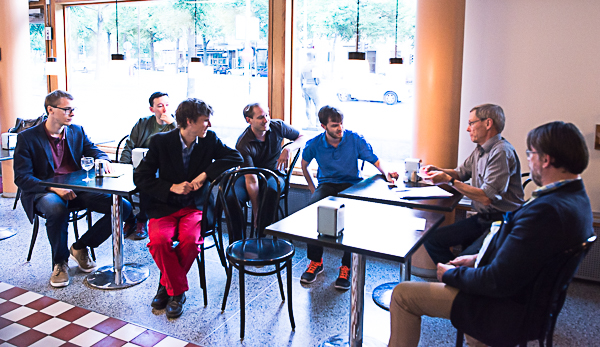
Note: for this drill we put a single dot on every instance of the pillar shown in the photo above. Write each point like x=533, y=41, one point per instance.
x=438, y=80
x=14, y=52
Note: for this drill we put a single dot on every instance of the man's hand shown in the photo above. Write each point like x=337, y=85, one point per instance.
x=392, y=176
x=182, y=188
x=438, y=177
x=108, y=167
x=283, y=160
x=65, y=194
x=198, y=182
x=464, y=260
x=167, y=118
x=428, y=168
x=441, y=269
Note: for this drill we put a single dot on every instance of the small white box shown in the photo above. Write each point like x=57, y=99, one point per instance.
x=330, y=218
x=9, y=140
x=137, y=155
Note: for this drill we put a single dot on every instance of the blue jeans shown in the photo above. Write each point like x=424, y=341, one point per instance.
x=56, y=211
x=314, y=252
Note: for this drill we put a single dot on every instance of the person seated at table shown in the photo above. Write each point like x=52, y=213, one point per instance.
x=484, y=295
x=260, y=146
x=495, y=173
x=54, y=148
x=337, y=152
x=161, y=121
x=177, y=183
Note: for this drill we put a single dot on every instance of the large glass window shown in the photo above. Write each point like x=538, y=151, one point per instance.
x=374, y=96
x=158, y=39
x=37, y=81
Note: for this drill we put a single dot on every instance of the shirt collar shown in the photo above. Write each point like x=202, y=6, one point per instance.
x=551, y=187
x=327, y=143
x=487, y=146
x=253, y=136
x=61, y=136
x=183, y=146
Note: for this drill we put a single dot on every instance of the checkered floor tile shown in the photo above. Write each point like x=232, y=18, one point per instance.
x=31, y=319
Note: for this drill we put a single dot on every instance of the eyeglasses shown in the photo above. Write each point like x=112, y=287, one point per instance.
x=68, y=110
x=475, y=121
x=530, y=153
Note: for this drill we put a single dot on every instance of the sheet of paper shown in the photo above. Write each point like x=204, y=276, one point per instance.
x=113, y=174
x=432, y=192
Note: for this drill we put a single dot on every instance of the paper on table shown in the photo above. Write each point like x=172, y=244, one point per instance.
x=415, y=224
x=433, y=192
x=113, y=174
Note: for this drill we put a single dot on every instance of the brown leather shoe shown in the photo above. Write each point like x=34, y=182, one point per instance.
x=141, y=231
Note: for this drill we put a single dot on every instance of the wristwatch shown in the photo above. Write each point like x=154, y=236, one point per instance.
x=451, y=182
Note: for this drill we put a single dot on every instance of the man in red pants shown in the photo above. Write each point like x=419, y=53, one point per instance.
x=176, y=173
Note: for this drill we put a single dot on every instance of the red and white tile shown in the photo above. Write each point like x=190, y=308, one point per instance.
x=31, y=319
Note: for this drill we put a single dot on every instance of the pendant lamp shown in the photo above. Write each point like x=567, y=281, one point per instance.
x=117, y=56
x=357, y=55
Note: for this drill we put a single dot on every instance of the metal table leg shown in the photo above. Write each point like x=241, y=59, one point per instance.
x=118, y=275
x=382, y=294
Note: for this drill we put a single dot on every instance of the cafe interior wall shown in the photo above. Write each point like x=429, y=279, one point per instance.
x=539, y=61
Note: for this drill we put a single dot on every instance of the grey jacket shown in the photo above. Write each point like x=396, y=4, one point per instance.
x=140, y=135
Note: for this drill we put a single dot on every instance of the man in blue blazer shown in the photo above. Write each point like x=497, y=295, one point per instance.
x=53, y=148
x=485, y=295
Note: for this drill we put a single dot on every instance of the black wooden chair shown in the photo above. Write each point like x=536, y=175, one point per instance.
x=288, y=175
x=258, y=251
x=210, y=226
x=118, y=150
x=548, y=295
x=75, y=214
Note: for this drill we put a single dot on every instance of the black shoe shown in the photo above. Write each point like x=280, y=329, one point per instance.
x=128, y=228
x=343, y=281
x=141, y=231
x=310, y=275
x=161, y=298
x=175, y=306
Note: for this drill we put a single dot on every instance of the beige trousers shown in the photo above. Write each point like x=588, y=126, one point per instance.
x=410, y=301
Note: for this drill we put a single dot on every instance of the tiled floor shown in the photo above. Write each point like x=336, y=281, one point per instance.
x=31, y=319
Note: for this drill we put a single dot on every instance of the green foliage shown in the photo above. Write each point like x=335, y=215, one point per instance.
x=36, y=37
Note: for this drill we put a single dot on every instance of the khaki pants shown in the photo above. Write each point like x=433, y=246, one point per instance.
x=410, y=301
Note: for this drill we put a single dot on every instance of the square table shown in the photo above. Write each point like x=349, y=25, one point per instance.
x=6, y=232
x=118, y=275
x=371, y=229
x=377, y=189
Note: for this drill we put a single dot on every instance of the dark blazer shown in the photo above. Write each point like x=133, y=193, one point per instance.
x=163, y=166
x=33, y=161
x=491, y=303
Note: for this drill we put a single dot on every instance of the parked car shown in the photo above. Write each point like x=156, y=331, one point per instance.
x=221, y=69
x=373, y=88
x=263, y=72
x=240, y=71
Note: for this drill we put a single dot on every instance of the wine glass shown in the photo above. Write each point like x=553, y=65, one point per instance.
x=87, y=163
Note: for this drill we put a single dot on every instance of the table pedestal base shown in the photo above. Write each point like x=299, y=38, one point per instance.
x=382, y=295
x=6, y=232
x=104, y=277
x=339, y=341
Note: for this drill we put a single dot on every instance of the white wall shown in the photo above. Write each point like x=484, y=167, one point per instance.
x=540, y=61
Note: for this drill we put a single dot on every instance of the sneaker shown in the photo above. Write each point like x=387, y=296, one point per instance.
x=343, y=281
x=60, y=275
x=310, y=275
x=141, y=231
x=82, y=257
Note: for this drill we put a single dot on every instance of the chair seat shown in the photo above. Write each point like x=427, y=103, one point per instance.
x=261, y=251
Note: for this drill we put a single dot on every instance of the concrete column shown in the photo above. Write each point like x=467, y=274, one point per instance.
x=438, y=78
x=14, y=55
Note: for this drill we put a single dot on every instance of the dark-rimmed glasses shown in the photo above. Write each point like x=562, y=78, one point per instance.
x=68, y=110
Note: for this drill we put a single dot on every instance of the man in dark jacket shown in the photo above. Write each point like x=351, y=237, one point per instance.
x=53, y=148
x=186, y=160
x=161, y=121
x=485, y=295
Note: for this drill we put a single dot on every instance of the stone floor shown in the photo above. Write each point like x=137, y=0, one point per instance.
x=320, y=310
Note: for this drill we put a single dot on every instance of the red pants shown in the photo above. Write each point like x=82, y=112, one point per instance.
x=174, y=263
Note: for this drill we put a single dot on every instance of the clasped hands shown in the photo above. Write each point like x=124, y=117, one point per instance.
x=186, y=187
x=464, y=260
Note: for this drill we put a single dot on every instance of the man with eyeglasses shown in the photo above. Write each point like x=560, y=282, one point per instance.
x=52, y=148
x=161, y=121
x=495, y=173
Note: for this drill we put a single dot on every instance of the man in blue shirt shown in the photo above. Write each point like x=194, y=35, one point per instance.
x=337, y=152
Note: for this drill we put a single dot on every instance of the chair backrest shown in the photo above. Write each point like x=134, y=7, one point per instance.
x=119, y=147
x=212, y=208
x=233, y=209
x=550, y=290
x=290, y=169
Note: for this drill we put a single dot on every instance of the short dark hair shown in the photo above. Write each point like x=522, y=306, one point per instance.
x=156, y=95
x=190, y=109
x=563, y=142
x=54, y=98
x=493, y=112
x=327, y=113
x=249, y=110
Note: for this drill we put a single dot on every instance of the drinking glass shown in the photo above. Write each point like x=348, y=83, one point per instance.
x=87, y=163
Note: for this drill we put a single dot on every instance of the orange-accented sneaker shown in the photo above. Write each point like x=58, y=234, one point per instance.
x=310, y=275
x=343, y=281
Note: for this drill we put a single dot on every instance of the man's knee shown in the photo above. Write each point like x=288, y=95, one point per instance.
x=53, y=207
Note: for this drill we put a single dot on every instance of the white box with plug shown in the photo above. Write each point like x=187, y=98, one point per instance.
x=330, y=218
